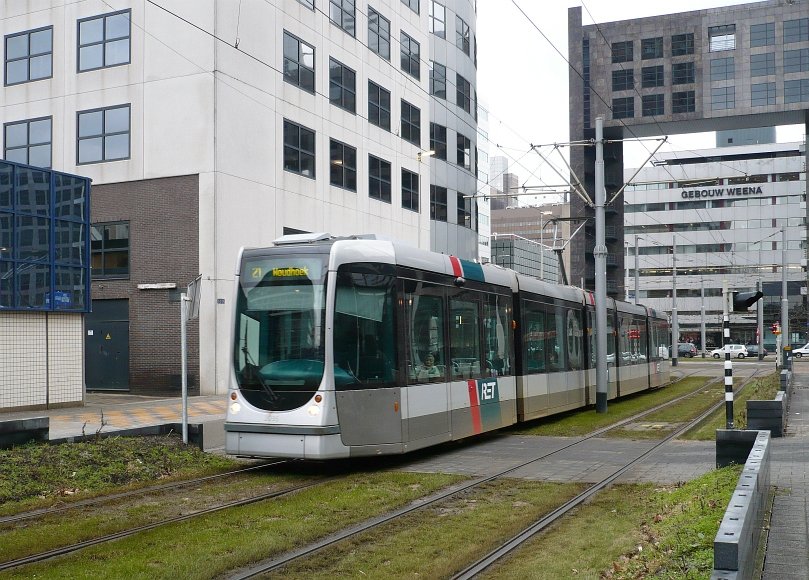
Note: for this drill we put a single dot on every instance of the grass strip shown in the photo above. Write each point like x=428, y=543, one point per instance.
x=632, y=531
x=39, y=474
x=438, y=542
x=584, y=421
x=764, y=388
x=213, y=545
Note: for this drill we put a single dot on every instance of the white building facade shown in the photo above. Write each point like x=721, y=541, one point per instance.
x=279, y=116
x=723, y=209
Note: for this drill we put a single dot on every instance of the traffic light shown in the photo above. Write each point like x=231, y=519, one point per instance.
x=744, y=300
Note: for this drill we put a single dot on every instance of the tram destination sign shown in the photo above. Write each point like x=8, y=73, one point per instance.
x=721, y=192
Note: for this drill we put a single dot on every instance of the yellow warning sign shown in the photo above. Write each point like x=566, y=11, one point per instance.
x=108, y=337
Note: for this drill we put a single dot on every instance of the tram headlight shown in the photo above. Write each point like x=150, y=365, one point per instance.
x=235, y=408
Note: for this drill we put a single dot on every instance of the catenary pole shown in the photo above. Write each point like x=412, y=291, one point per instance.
x=636, y=268
x=184, y=356
x=702, y=315
x=728, y=361
x=675, y=324
x=600, y=255
x=785, y=341
x=760, y=321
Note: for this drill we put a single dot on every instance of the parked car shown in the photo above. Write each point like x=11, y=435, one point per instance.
x=736, y=351
x=686, y=349
x=752, y=350
x=799, y=352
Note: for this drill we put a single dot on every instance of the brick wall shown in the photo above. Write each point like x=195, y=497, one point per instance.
x=163, y=218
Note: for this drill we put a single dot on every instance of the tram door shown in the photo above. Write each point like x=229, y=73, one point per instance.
x=106, y=352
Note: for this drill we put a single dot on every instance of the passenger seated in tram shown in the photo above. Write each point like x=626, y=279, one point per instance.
x=428, y=370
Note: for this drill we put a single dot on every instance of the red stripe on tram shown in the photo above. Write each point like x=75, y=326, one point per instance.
x=456, y=266
x=474, y=405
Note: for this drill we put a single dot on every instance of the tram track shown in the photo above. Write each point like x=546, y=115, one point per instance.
x=102, y=499
x=288, y=558
x=284, y=560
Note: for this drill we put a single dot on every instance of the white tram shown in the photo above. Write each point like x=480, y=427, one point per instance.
x=354, y=346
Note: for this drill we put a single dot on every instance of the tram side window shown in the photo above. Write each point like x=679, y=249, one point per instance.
x=591, y=338
x=364, y=327
x=497, y=333
x=642, y=341
x=533, y=325
x=555, y=339
x=632, y=340
x=424, y=315
x=575, y=341
x=464, y=338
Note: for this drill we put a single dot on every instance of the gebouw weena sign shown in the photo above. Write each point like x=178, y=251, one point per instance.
x=721, y=192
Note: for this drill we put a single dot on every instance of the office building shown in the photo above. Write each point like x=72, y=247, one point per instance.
x=210, y=126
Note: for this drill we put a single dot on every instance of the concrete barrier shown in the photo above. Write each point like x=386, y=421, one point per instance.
x=737, y=540
x=22, y=431
x=768, y=415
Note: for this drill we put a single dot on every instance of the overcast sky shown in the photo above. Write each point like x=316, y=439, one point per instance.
x=523, y=80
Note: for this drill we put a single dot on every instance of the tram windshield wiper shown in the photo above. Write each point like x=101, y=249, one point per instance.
x=252, y=374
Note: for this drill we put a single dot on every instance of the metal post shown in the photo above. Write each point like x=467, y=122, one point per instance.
x=675, y=324
x=785, y=339
x=702, y=315
x=760, y=321
x=541, y=249
x=600, y=255
x=636, y=268
x=184, y=356
x=728, y=361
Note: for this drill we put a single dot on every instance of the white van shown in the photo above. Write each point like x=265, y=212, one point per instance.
x=736, y=351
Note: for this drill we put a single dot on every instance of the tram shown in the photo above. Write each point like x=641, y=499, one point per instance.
x=358, y=346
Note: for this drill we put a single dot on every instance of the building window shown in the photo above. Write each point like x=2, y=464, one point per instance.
x=722, y=37
x=109, y=250
x=796, y=30
x=464, y=213
x=410, y=190
x=762, y=94
x=343, y=14
x=652, y=76
x=796, y=91
x=796, y=60
x=622, y=51
x=29, y=56
x=438, y=19
x=438, y=140
x=342, y=165
x=463, y=93
x=438, y=203
x=299, y=149
x=378, y=33
x=651, y=48
x=623, y=108
x=411, y=123
x=308, y=3
x=463, y=155
x=379, y=179
x=762, y=64
x=378, y=106
x=722, y=69
x=438, y=80
x=410, y=55
x=762, y=34
x=723, y=98
x=104, y=41
x=412, y=4
x=462, y=35
x=29, y=142
x=683, y=102
x=623, y=80
x=299, y=62
x=342, y=86
x=652, y=105
x=103, y=135
x=682, y=73
x=682, y=44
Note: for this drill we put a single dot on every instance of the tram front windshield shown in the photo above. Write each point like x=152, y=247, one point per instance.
x=280, y=329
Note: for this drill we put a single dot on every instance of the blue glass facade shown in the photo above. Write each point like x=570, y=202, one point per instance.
x=44, y=240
